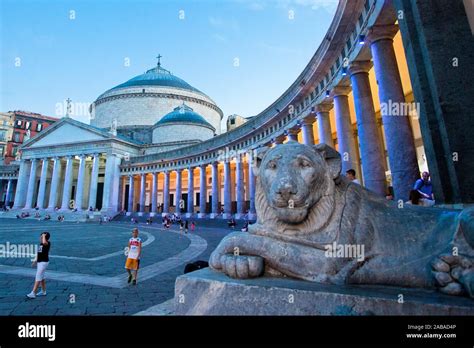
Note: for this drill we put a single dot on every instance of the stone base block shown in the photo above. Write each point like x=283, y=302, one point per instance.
x=206, y=292
x=128, y=213
x=140, y=214
x=152, y=214
x=189, y=215
x=201, y=215
x=213, y=216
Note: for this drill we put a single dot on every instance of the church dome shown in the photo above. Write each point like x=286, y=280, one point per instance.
x=142, y=101
x=157, y=76
x=183, y=114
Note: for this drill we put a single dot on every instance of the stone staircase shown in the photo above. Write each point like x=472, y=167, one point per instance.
x=83, y=216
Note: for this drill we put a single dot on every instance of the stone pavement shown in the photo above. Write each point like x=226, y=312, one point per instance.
x=86, y=274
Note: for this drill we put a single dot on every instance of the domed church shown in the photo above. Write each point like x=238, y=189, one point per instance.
x=136, y=108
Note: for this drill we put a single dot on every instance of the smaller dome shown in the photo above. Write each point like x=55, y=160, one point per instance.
x=183, y=114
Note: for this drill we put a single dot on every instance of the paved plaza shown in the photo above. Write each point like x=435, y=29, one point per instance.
x=86, y=274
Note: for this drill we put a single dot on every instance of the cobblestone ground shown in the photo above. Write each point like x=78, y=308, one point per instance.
x=86, y=274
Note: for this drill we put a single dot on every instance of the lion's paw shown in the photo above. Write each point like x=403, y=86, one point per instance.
x=241, y=266
x=454, y=275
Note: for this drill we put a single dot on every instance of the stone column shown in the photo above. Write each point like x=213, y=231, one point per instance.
x=68, y=176
x=21, y=186
x=80, y=182
x=42, y=186
x=227, y=191
x=215, y=190
x=252, y=211
x=307, y=128
x=166, y=194
x=202, y=191
x=239, y=185
x=440, y=65
x=131, y=192
x=110, y=201
x=154, y=193
x=292, y=134
x=190, y=192
x=178, y=191
x=324, y=124
x=94, y=180
x=9, y=192
x=345, y=134
x=398, y=133
x=142, y=194
x=31, y=184
x=53, y=193
x=370, y=145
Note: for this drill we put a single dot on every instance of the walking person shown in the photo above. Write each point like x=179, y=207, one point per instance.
x=41, y=262
x=133, y=258
x=425, y=188
x=193, y=226
x=186, y=226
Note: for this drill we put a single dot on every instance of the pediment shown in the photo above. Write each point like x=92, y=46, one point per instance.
x=63, y=133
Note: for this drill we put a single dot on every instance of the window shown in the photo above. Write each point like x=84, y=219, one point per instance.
x=232, y=121
x=39, y=127
x=18, y=123
x=27, y=125
x=14, y=151
x=16, y=137
x=3, y=135
x=1, y=151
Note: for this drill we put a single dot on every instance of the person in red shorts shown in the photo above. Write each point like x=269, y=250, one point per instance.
x=133, y=258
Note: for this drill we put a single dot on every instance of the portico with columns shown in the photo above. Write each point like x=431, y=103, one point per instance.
x=71, y=168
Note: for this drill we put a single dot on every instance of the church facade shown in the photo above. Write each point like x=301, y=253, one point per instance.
x=154, y=145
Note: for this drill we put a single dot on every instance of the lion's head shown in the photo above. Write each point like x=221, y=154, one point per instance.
x=293, y=180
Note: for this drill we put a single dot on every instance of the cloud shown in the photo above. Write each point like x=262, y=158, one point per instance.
x=219, y=38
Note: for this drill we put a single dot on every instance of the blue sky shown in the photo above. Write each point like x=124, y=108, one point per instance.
x=52, y=50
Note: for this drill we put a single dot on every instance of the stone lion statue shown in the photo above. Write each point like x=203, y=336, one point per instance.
x=316, y=225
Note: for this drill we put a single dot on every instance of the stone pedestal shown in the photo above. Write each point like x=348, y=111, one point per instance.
x=206, y=292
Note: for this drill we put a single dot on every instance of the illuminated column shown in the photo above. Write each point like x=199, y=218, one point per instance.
x=94, y=181
x=202, y=191
x=215, y=190
x=9, y=192
x=154, y=193
x=21, y=185
x=31, y=184
x=131, y=193
x=190, y=192
x=398, y=133
x=239, y=185
x=68, y=176
x=345, y=134
x=53, y=193
x=292, y=134
x=42, y=186
x=142, y=194
x=324, y=124
x=227, y=190
x=370, y=145
x=178, y=191
x=166, y=194
x=252, y=211
x=307, y=129
x=80, y=182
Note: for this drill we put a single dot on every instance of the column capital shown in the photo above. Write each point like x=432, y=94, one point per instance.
x=360, y=66
x=293, y=131
x=323, y=107
x=340, y=91
x=203, y=166
x=381, y=32
x=279, y=139
x=308, y=120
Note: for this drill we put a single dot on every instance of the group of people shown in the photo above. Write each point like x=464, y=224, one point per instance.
x=41, y=262
x=421, y=194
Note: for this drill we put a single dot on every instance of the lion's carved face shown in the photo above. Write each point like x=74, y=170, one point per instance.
x=294, y=177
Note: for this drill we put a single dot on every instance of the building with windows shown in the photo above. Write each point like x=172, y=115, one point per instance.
x=383, y=89
x=24, y=126
x=6, y=130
